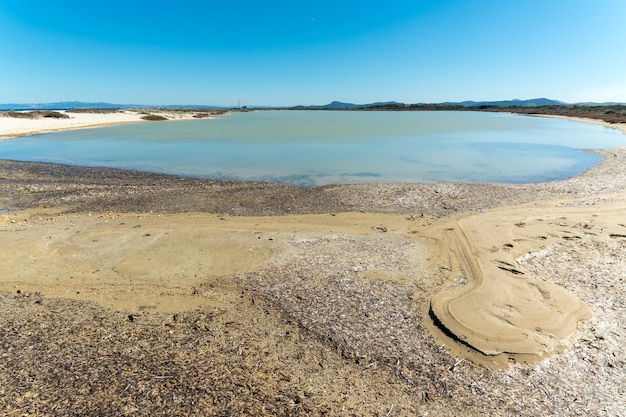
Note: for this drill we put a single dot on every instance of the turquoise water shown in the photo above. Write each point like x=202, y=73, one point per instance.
x=330, y=147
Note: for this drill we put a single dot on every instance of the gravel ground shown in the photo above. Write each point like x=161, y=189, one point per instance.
x=307, y=337
x=28, y=185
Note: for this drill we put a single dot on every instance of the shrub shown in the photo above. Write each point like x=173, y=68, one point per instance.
x=53, y=114
x=37, y=114
x=154, y=118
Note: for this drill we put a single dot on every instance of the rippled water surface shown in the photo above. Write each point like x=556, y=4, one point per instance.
x=325, y=147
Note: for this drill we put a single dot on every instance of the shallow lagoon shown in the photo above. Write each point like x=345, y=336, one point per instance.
x=329, y=147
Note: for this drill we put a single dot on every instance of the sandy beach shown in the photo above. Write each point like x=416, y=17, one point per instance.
x=12, y=127
x=142, y=294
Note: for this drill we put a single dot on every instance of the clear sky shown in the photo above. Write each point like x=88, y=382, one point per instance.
x=311, y=51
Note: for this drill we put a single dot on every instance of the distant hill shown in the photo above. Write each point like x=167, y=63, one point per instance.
x=341, y=105
x=338, y=105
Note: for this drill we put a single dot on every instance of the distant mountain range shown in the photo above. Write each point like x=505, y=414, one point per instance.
x=69, y=105
x=535, y=102
x=62, y=105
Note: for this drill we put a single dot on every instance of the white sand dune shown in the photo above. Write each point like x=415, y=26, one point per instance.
x=11, y=127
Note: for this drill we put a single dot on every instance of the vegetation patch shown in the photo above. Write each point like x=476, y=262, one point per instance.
x=37, y=114
x=154, y=118
x=615, y=113
x=609, y=114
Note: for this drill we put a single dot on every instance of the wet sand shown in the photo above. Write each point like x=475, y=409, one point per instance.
x=364, y=299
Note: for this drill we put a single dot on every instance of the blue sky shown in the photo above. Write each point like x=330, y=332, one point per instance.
x=311, y=52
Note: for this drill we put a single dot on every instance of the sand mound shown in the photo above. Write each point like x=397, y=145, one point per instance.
x=497, y=307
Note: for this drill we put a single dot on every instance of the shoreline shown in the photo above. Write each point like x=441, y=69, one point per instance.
x=11, y=128
x=335, y=284
x=618, y=126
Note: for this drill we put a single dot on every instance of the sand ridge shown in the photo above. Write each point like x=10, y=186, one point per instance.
x=497, y=307
x=12, y=127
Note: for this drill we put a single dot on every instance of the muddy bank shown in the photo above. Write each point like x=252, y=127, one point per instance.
x=25, y=185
